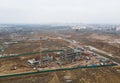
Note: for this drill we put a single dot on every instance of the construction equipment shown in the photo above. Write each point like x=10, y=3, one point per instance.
x=38, y=59
x=45, y=58
x=41, y=57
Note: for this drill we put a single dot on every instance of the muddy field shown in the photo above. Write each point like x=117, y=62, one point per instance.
x=98, y=75
x=98, y=40
x=34, y=46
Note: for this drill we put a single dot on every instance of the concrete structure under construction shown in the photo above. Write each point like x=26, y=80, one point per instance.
x=71, y=54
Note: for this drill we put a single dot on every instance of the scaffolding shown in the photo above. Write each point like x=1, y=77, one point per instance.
x=70, y=54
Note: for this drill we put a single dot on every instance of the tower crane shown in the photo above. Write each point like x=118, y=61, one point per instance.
x=41, y=57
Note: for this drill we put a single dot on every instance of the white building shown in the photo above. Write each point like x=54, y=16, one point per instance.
x=118, y=28
x=79, y=27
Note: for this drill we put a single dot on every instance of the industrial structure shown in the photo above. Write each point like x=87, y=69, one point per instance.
x=71, y=54
x=68, y=56
x=40, y=59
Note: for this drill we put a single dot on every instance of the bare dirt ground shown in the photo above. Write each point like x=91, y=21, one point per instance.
x=99, y=40
x=34, y=46
x=98, y=75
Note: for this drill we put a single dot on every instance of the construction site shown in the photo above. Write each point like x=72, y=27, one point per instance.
x=46, y=60
x=56, y=57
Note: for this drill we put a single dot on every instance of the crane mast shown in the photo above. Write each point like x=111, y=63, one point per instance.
x=41, y=57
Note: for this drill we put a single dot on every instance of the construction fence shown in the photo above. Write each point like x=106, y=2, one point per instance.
x=54, y=70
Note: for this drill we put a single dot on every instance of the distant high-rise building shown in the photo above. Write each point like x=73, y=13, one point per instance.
x=118, y=28
x=79, y=27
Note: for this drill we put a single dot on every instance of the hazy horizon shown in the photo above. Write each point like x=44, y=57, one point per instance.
x=59, y=11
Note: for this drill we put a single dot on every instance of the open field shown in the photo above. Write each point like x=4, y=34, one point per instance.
x=98, y=75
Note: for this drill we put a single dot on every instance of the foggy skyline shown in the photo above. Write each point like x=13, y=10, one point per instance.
x=60, y=11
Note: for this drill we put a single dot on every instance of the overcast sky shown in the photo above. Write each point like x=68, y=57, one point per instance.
x=60, y=11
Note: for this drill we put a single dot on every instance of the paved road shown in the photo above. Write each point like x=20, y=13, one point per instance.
x=105, y=55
